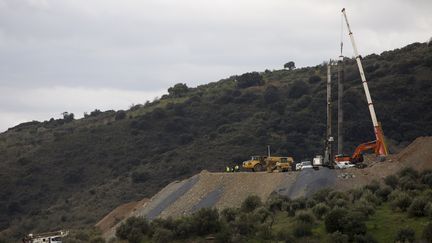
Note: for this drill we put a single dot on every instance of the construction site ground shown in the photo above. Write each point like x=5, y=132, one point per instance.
x=222, y=190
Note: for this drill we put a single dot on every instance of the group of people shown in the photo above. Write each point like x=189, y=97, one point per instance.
x=235, y=168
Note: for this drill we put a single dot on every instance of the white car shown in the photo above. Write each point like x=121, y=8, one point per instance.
x=344, y=165
x=304, y=165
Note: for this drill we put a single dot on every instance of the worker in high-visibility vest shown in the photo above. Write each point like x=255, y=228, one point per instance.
x=236, y=168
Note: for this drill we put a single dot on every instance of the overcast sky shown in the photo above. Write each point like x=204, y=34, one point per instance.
x=79, y=55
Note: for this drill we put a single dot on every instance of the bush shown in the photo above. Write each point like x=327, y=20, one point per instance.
x=408, y=172
x=140, y=176
x=298, y=89
x=337, y=237
x=206, y=221
x=427, y=179
x=364, y=207
x=251, y=203
x=407, y=183
x=401, y=201
x=405, y=235
x=384, y=192
x=302, y=229
x=320, y=210
x=373, y=186
x=271, y=94
x=427, y=232
x=229, y=214
x=120, y=115
x=162, y=235
x=133, y=230
x=305, y=217
x=314, y=79
x=249, y=79
x=391, y=181
x=335, y=220
x=284, y=236
x=418, y=207
x=354, y=225
x=370, y=197
x=364, y=239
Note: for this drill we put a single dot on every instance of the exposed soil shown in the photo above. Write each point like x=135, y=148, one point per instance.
x=222, y=190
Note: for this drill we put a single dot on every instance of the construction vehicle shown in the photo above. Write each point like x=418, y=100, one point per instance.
x=317, y=162
x=48, y=237
x=378, y=145
x=268, y=163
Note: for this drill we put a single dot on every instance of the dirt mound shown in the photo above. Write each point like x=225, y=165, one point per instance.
x=417, y=155
x=118, y=214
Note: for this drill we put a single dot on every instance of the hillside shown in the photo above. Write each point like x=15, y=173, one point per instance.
x=69, y=173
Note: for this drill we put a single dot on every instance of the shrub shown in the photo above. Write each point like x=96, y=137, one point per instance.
x=364, y=239
x=405, y=235
x=133, y=229
x=249, y=79
x=408, y=172
x=364, y=207
x=314, y=79
x=302, y=229
x=206, y=221
x=391, y=181
x=229, y=214
x=335, y=220
x=373, y=186
x=370, y=197
x=427, y=232
x=305, y=217
x=162, y=235
x=284, y=236
x=384, y=192
x=298, y=89
x=271, y=94
x=140, y=176
x=337, y=237
x=407, y=183
x=402, y=201
x=320, y=210
x=120, y=115
x=418, y=207
x=251, y=203
x=427, y=179
x=354, y=225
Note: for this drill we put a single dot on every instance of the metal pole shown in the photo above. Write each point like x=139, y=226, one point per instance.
x=328, y=153
x=340, y=110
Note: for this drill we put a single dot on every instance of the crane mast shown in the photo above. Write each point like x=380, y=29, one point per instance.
x=381, y=148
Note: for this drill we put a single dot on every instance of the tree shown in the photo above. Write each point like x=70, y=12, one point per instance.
x=249, y=79
x=67, y=117
x=290, y=65
x=178, y=90
x=251, y=203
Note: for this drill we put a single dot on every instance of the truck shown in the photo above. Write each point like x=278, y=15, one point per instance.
x=48, y=237
x=269, y=163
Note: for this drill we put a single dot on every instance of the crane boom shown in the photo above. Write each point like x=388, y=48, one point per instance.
x=381, y=148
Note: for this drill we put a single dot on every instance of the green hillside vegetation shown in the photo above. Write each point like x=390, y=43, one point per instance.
x=385, y=212
x=66, y=173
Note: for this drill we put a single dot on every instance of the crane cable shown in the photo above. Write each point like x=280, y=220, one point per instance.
x=341, y=38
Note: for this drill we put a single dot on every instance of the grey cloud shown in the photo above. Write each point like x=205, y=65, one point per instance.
x=147, y=46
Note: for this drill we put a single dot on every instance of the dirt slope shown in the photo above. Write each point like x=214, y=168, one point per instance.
x=221, y=190
x=118, y=214
x=417, y=155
